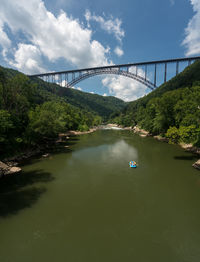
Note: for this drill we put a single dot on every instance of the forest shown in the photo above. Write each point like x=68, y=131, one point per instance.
x=172, y=110
x=33, y=112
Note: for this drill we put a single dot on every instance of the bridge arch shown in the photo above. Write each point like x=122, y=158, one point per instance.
x=78, y=75
x=126, y=73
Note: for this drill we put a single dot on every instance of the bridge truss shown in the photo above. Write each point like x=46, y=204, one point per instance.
x=136, y=71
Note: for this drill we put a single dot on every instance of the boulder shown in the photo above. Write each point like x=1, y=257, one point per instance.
x=3, y=166
x=141, y=132
x=46, y=155
x=11, y=163
x=197, y=164
x=13, y=170
x=8, y=170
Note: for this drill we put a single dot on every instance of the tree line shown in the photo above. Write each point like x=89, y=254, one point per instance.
x=172, y=111
x=30, y=114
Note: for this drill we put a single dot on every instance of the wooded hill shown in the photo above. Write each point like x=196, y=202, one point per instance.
x=32, y=111
x=172, y=110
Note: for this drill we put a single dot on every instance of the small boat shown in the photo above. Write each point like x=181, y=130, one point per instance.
x=133, y=164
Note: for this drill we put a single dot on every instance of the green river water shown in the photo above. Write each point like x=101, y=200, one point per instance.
x=86, y=205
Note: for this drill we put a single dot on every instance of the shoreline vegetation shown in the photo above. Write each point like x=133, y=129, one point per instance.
x=187, y=147
x=143, y=133
x=169, y=113
x=33, y=113
x=35, y=116
x=9, y=166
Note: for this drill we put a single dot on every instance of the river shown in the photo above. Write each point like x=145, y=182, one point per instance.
x=86, y=205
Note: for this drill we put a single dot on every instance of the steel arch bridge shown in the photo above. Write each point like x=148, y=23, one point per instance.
x=114, y=72
x=72, y=77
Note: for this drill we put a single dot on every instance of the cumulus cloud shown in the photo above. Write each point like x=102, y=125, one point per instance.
x=51, y=36
x=125, y=88
x=111, y=26
x=28, y=59
x=118, y=51
x=192, y=31
x=4, y=40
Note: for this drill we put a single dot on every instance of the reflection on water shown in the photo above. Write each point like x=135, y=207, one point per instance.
x=122, y=150
x=117, y=153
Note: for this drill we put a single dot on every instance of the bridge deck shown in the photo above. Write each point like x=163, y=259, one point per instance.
x=121, y=66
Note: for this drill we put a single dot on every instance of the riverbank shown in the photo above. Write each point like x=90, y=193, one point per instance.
x=187, y=147
x=76, y=133
x=6, y=169
x=9, y=165
x=142, y=133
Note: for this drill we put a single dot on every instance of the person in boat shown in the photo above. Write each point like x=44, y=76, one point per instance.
x=132, y=163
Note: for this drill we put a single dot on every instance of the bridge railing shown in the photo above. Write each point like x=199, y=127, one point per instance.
x=141, y=74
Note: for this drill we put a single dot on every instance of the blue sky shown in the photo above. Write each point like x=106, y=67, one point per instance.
x=45, y=35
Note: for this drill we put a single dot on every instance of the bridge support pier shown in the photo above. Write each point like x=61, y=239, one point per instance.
x=177, y=67
x=155, y=72
x=165, y=77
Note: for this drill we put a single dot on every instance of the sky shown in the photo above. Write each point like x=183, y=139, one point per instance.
x=38, y=36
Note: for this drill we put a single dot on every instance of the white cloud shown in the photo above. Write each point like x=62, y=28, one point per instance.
x=28, y=59
x=4, y=40
x=104, y=94
x=78, y=88
x=112, y=26
x=192, y=31
x=125, y=88
x=54, y=37
x=118, y=51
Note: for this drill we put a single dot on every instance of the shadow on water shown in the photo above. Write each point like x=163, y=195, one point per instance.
x=62, y=148
x=189, y=157
x=21, y=191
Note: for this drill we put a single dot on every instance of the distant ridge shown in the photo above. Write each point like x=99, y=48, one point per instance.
x=101, y=105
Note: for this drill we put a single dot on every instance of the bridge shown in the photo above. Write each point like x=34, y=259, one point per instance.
x=136, y=71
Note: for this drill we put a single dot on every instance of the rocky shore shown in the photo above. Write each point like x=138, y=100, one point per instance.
x=9, y=168
x=197, y=164
x=140, y=132
x=190, y=148
x=194, y=150
x=187, y=147
x=76, y=133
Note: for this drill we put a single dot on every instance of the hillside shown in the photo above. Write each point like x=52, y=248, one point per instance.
x=103, y=106
x=33, y=111
x=188, y=77
x=172, y=110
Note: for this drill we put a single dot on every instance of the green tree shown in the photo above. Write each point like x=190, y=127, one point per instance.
x=173, y=135
x=47, y=120
x=6, y=130
x=189, y=134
